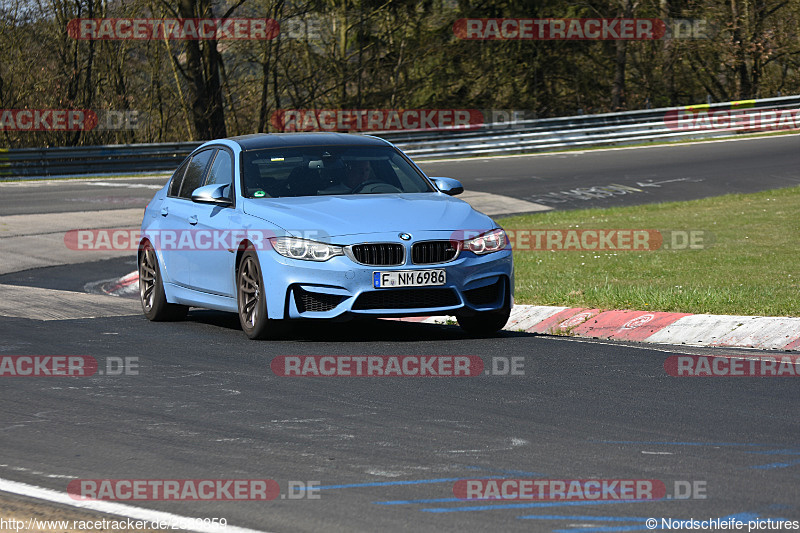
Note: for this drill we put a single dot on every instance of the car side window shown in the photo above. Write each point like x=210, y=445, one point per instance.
x=221, y=172
x=177, y=179
x=195, y=173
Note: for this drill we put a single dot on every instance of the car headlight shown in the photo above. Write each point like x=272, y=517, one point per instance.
x=492, y=241
x=305, y=249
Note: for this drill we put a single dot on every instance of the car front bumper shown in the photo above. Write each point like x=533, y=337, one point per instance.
x=340, y=286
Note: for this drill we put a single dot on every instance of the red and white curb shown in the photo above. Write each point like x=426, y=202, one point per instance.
x=764, y=333
x=127, y=286
x=124, y=286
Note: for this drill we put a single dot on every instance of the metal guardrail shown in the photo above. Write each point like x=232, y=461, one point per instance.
x=582, y=131
x=83, y=160
x=526, y=136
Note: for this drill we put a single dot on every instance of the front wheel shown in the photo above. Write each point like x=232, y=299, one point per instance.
x=151, y=289
x=484, y=323
x=252, y=300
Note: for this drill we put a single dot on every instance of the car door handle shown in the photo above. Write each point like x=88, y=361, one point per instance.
x=193, y=220
x=164, y=211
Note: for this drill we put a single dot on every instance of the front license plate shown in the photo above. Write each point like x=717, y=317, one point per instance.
x=408, y=278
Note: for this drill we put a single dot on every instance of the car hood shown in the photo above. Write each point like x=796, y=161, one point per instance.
x=363, y=214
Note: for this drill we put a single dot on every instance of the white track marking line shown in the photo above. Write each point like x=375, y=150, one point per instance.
x=119, y=509
x=44, y=182
x=676, y=349
x=125, y=185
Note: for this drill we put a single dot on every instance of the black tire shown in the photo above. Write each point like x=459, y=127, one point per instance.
x=151, y=289
x=252, y=303
x=484, y=323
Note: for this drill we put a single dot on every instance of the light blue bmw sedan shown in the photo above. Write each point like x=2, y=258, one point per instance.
x=277, y=227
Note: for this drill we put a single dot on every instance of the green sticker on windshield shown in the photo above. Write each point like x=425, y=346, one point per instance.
x=259, y=194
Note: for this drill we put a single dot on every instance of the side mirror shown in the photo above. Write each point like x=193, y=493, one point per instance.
x=448, y=186
x=212, y=194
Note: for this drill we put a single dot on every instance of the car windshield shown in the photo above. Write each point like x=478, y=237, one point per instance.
x=328, y=170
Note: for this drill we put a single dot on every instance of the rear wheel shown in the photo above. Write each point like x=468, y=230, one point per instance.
x=151, y=289
x=252, y=301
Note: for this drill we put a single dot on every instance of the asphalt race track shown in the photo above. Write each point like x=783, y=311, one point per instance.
x=570, y=180
x=666, y=173
x=204, y=403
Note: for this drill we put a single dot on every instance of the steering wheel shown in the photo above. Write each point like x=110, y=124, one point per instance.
x=374, y=187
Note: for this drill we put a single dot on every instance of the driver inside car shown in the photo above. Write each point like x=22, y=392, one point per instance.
x=356, y=173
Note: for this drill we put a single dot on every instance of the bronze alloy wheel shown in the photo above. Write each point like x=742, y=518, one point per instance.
x=249, y=292
x=147, y=277
x=252, y=301
x=151, y=289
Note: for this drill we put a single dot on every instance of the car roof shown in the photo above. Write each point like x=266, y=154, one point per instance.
x=259, y=141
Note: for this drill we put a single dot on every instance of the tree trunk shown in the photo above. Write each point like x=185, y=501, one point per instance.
x=744, y=89
x=202, y=68
x=618, y=89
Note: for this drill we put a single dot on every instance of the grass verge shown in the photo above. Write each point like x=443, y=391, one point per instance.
x=751, y=268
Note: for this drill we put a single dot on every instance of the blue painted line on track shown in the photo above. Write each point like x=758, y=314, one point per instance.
x=636, y=527
x=771, y=466
x=776, y=452
x=533, y=505
x=411, y=502
x=397, y=483
x=585, y=517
